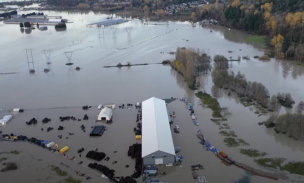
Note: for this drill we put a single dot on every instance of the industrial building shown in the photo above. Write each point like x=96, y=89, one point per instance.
x=157, y=142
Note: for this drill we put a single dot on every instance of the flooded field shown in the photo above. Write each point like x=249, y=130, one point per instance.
x=92, y=49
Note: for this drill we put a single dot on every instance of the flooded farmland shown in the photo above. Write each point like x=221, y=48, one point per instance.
x=44, y=94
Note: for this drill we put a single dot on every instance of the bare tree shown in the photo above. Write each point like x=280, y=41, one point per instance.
x=300, y=107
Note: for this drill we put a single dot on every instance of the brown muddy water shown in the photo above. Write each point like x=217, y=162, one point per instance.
x=94, y=84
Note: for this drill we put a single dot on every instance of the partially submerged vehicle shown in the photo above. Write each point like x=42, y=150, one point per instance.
x=194, y=174
x=151, y=172
x=196, y=167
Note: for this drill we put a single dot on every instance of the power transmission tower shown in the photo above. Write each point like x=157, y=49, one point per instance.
x=114, y=30
x=129, y=30
x=47, y=54
x=69, y=55
x=30, y=60
x=103, y=27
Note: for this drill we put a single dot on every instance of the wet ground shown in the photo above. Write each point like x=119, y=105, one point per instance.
x=93, y=84
x=118, y=137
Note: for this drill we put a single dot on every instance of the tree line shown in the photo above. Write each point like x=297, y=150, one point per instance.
x=290, y=124
x=65, y=3
x=253, y=91
x=191, y=63
x=281, y=20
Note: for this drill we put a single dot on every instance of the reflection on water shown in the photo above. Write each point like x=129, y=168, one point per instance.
x=182, y=84
x=285, y=141
x=233, y=35
x=289, y=67
x=28, y=31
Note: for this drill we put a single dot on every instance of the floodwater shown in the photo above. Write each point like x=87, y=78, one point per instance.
x=93, y=48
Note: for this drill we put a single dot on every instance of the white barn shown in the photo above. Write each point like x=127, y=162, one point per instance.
x=105, y=114
x=157, y=142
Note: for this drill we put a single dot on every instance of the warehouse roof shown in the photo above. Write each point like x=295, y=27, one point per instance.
x=156, y=132
x=107, y=23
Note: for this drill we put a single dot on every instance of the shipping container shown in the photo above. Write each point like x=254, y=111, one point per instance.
x=223, y=154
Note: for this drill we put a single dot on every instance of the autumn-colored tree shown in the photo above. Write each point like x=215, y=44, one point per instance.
x=242, y=7
x=289, y=18
x=216, y=5
x=273, y=23
x=266, y=15
x=193, y=16
x=251, y=7
x=256, y=12
x=146, y=8
x=161, y=13
x=235, y=3
x=277, y=42
x=267, y=7
x=83, y=6
x=294, y=19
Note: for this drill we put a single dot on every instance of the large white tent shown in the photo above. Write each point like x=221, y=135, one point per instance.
x=105, y=114
x=157, y=142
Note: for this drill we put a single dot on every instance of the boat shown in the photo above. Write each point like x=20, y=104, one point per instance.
x=196, y=123
x=193, y=117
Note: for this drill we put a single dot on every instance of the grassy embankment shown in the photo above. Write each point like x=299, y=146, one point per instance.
x=255, y=39
x=291, y=167
x=11, y=152
x=252, y=153
x=232, y=142
x=59, y=172
x=2, y=159
x=228, y=134
x=211, y=103
x=270, y=162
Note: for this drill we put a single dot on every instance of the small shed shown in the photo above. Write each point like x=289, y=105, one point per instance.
x=105, y=114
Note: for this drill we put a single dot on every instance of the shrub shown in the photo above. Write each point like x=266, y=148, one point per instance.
x=9, y=166
x=264, y=57
x=27, y=24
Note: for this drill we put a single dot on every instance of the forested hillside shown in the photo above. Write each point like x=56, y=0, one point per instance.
x=281, y=20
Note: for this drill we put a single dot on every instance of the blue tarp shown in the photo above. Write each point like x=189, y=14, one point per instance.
x=43, y=143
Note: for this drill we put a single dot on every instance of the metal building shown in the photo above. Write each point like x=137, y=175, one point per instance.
x=157, y=143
